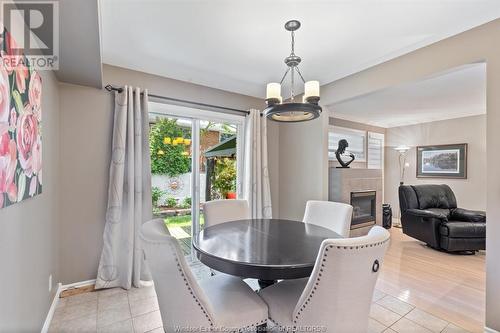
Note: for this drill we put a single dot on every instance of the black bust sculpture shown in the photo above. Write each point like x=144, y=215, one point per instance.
x=343, y=144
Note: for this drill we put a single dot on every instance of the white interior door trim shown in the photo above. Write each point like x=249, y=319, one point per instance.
x=195, y=177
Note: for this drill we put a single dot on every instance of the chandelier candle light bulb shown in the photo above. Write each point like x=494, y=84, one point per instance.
x=273, y=94
x=311, y=91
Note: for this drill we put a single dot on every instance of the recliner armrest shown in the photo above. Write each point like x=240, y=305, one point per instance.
x=466, y=215
x=426, y=214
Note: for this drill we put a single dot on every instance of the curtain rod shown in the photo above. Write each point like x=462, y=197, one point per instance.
x=110, y=88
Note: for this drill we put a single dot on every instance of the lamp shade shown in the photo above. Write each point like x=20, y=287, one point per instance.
x=402, y=149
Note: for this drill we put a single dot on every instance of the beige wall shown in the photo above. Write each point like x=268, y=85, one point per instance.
x=303, y=162
x=476, y=45
x=86, y=119
x=86, y=127
x=29, y=234
x=470, y=192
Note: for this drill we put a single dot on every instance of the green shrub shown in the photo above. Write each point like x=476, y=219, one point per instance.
x=156, y=194
x=224, y=178
x=171, y=202
x=186, y=202
x=167, y=158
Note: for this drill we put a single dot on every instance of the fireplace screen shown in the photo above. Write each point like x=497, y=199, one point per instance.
x=364, y=208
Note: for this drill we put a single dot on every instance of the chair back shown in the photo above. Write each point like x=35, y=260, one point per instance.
x=407, y=198
x=335, y=216
x=182, y=302
x=426, y=196
x=338, y=294
x=220, y=211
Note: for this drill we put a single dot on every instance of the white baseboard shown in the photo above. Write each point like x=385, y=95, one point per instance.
x=490, y=330
x=53, y=306
x=52, y=309
x=78, y=284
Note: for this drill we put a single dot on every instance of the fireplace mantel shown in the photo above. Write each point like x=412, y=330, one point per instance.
x=344, y=181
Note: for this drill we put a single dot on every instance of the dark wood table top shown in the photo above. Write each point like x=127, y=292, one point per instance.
x=266, y=249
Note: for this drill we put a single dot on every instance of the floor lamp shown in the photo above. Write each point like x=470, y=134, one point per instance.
x=402, y=150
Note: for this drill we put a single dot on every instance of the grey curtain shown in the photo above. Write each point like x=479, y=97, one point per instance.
x=129, y=194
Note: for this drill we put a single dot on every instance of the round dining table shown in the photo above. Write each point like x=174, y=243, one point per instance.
x=265, y=249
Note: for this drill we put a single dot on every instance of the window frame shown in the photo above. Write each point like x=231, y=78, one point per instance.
x=196, y=115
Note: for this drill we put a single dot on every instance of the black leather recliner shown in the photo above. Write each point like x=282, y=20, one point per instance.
x=429, y=213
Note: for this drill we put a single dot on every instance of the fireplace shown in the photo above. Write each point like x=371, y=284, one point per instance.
x=364, y=209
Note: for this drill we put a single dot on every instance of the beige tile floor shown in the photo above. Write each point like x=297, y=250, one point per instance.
x=136, y=310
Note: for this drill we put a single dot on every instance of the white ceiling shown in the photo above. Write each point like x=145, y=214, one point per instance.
x=239, y=46
x=460, y=92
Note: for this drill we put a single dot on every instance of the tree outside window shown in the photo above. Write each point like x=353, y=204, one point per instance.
x=169, y=145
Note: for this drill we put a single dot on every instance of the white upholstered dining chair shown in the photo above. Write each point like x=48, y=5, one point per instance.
x=335, y=216
x=337, y=296
x=220, y=211
x=216, y=303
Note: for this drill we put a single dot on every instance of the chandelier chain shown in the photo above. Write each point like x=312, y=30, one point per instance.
x=292, y=73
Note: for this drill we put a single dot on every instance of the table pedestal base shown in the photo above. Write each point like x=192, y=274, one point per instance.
x=266, y=283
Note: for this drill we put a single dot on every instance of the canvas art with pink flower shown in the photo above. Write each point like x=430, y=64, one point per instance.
x=20, y=126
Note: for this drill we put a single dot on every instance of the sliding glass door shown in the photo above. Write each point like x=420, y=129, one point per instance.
x=195, y=158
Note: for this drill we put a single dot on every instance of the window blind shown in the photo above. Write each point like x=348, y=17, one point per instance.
x=375, y=150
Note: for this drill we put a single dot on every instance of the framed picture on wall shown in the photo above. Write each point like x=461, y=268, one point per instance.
x=20, y=125
x=442, y=161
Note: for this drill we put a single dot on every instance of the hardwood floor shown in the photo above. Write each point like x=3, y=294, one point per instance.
x=448, y=286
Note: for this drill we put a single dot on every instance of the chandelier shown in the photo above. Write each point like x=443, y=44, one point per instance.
x=291, y=111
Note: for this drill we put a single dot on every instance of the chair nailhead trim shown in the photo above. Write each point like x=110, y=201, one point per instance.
x=323, y=264
x=263, y=321
x=179, y=268
x=294, y=328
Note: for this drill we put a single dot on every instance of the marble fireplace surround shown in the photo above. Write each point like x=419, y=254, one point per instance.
x=343, y=181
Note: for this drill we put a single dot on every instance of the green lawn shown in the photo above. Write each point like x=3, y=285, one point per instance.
x=180, y=221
